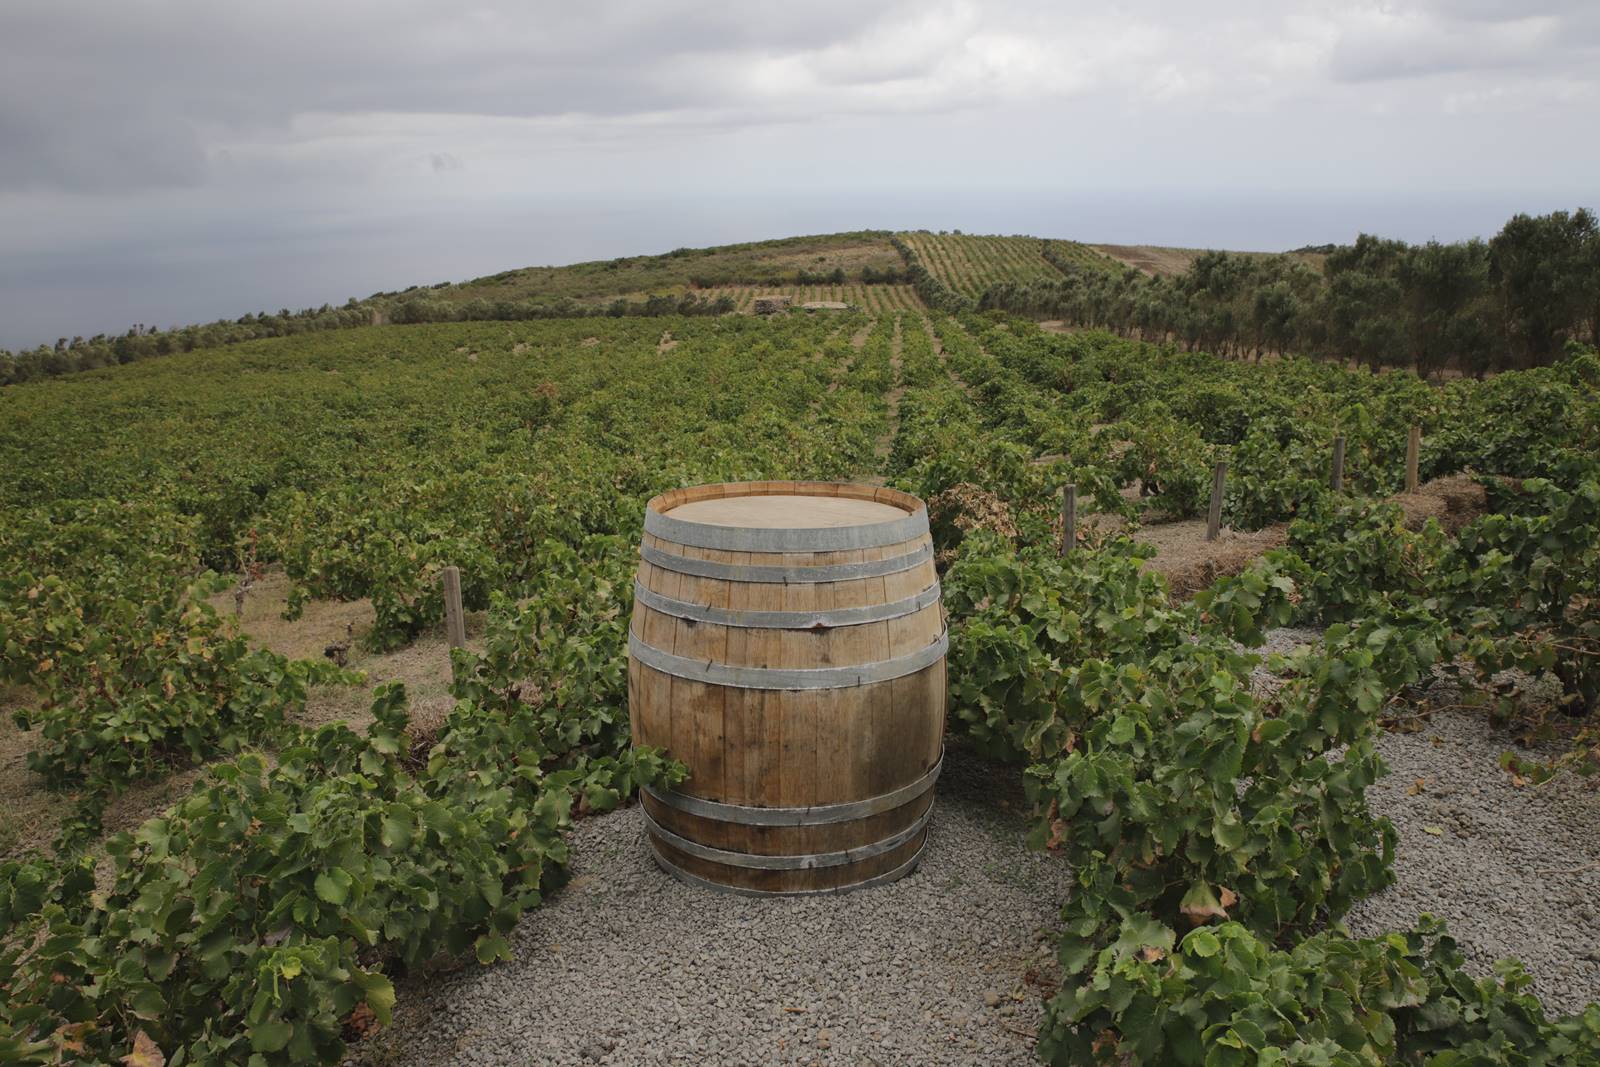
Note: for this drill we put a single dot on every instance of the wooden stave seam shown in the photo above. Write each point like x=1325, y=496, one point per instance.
x=803, y=648
x=926, y=740
x=831, y=814
x=816, y=879
x=751, y=765
x=786, y=620
x=786, y=840
x=931, y=681
x=776, y=679
x=845, y=856
x=926, y=690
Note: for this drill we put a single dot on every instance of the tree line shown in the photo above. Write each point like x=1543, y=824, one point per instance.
x=426, y=309
x=143, y=342
x=412, y=306
x=1514, y=301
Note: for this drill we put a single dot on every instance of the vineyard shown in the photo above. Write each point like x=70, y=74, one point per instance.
x=1514, y=302
x=873, y=299
x=759, y=262
x=1203, y=790
x=970, y=265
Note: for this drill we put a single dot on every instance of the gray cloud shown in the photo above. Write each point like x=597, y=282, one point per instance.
x=87, y=152
x=118, y=96
x=278, y=136
x=1487, y=37
x=153, y=86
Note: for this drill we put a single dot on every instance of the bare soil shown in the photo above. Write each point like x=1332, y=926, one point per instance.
x=875, y=253
x=31, y=813
x=1190, y=563
x=423, y=665
x=1151, y=259
x=1454, y=501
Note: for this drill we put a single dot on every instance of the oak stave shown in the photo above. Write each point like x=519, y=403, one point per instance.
x=752, y=683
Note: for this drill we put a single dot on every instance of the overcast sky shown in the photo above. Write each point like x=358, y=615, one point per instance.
x=165, y=161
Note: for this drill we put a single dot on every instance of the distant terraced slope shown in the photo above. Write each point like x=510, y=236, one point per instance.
x=869, y=298
x=970, y=264
x=782, y=263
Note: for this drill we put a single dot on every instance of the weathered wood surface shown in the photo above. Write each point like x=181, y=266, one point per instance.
x=1069, y=518
x=1219, y=479
x=790, y=748
x=454, y=620
x=1413, y=456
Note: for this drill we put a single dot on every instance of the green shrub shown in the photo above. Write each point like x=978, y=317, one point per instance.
x=1224, y=997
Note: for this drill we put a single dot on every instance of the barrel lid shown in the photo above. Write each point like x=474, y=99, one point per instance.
x=786, y=516
x=795, y=512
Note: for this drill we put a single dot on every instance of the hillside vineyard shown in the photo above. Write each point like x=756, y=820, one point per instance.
x=1516, y=301
x=299, y=867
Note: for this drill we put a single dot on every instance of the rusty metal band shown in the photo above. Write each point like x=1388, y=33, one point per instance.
x=818, y=815
x=785, y=620
x=704, y=883
x=699, y=670
x=796, y=575
x=800, y=862
x=786, y=539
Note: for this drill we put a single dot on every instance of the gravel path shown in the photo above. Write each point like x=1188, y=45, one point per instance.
x=1514, y=871
x=949, y=965
x=627, y=966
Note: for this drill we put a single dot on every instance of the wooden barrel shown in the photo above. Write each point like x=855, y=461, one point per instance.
x=788, y=645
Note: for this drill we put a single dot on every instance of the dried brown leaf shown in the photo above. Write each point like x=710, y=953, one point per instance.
x=145, y=1053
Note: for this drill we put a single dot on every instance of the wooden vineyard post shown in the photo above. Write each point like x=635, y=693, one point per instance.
x=1214, y=517
x=1413, y=449
x=1338, y=464
x=1069, y=518
x=455, y=625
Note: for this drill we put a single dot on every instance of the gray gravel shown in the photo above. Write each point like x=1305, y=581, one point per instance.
x=628, y=966
x=950, y=965
x=1514, y=871
x=1263, y=682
